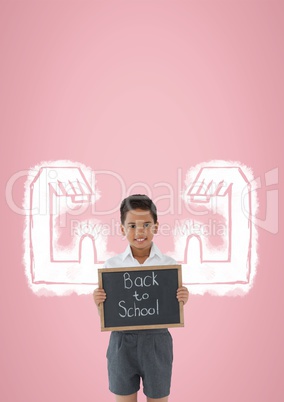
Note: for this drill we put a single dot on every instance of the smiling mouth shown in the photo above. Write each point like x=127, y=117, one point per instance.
x=140, y=240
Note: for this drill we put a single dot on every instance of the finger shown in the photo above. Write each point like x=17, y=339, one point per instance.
x=182, y=291
x=182, y=294
x=182, y=288
x=100, y=297
x=99, y=292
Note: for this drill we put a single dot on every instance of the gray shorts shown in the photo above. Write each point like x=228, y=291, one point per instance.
x=146, y=354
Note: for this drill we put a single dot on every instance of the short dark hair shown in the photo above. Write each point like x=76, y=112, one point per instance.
x=137, y=201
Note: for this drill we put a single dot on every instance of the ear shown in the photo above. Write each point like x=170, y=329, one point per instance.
x=155, y=228
x=122, y=229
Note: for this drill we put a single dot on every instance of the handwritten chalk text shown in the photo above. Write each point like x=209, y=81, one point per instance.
x=136, y=311
x=147, y=281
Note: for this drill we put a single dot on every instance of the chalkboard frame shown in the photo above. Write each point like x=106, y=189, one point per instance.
x=178, y=272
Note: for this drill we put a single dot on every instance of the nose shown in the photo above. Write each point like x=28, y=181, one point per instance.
x=140, y=229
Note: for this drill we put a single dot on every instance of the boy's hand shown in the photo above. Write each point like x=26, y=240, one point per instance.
x=99, y=296
x=182, y=294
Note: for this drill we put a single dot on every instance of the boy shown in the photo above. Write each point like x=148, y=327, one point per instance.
x=145, y=354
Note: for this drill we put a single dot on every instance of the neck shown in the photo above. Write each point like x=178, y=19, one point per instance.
x=140, y=253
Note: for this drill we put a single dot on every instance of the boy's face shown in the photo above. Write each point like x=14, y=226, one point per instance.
x=139, y=229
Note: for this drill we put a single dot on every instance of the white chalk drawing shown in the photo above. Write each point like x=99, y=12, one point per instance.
x=60, y=256
x=215, y=240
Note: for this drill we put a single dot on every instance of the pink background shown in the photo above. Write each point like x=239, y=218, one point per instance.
x=144, y=89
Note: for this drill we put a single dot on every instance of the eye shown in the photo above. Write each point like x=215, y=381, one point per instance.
x=146, y=225
x=132, y=226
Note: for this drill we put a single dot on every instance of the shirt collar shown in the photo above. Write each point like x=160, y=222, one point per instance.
x=154, y=251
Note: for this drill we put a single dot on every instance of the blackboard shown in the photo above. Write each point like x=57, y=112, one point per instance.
x=141, y=298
